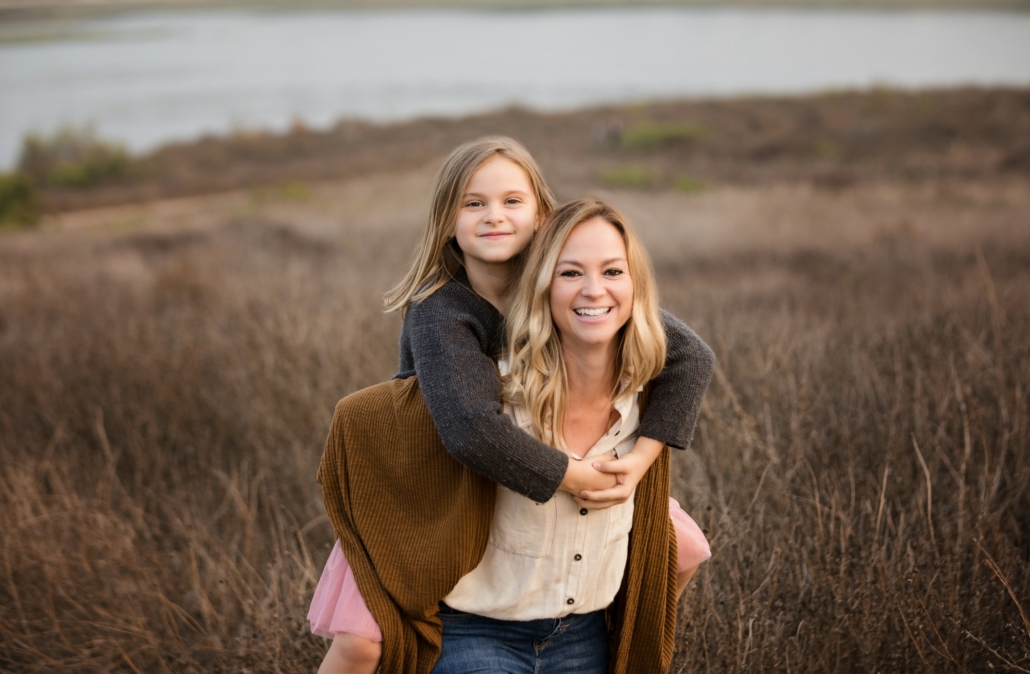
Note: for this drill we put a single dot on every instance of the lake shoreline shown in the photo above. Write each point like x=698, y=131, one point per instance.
x=16, y=10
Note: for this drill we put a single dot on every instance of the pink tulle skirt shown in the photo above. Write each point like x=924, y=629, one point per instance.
x=337, y=605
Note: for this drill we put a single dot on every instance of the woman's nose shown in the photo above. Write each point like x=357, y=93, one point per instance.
x=592, y=286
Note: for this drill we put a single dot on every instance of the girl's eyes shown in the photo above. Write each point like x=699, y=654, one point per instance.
x=613, y=272
x=476, y=203
x=569, y=273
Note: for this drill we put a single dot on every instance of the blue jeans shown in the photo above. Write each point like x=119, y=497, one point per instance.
x=472, y=643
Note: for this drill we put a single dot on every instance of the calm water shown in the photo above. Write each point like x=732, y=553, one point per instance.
x=148, y=78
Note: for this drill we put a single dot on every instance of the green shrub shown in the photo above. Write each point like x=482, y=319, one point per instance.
x=632, y=176
x=72, y=157
x=690, y=185
x=659, y=134
x=825, y=149
x=19, y=204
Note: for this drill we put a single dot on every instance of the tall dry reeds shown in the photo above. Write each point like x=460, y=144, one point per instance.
x=860, y=466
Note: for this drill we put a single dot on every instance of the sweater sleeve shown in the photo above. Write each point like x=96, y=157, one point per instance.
x=459, y=383
x=676, y=393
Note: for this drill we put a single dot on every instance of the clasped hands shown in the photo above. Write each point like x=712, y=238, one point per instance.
x=599, y=482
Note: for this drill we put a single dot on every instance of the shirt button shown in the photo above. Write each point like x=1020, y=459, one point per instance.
x=578, y=557
x=570, y=601
x=583, y=511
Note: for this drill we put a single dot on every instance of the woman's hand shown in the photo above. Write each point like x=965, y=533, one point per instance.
x=628, y=471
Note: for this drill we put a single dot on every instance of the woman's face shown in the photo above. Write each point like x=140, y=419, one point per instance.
x=591, y=292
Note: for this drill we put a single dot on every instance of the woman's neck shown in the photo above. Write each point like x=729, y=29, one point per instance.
x=491, y=282
x=591, y=378
x=591, y=373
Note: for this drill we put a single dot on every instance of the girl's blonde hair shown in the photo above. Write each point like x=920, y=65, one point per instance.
x=537, y=377
x=437, y=256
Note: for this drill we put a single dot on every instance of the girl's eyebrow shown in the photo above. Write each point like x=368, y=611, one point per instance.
x=509, y=192
x=580, y=264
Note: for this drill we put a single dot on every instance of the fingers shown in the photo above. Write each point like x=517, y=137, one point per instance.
x=616, y=466
x=617, y=494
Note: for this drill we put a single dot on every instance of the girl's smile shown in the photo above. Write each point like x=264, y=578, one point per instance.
x=498, y=215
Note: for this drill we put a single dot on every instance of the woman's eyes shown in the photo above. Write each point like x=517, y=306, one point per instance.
x=573, y=273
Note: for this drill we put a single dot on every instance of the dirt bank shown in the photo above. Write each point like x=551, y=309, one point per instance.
x=833, y=140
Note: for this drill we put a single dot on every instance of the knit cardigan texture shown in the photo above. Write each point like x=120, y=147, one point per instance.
x=412, y=521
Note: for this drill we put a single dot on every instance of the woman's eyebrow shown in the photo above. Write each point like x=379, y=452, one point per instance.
x=580, y=264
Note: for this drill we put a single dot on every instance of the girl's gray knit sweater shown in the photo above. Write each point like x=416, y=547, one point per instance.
x=450, y=341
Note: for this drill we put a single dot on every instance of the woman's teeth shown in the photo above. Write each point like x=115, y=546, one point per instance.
x=592, y=312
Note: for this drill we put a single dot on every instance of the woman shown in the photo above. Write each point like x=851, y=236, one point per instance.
x=585, y=336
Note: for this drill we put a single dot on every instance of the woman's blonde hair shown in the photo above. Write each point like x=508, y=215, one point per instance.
x=537, y=377
x=437, y=255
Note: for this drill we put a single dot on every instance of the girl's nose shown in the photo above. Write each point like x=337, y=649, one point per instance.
x=494, y=214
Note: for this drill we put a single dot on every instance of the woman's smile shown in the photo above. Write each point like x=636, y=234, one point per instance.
x=592, y=292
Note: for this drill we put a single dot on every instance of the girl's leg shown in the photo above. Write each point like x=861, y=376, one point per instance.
x=351, y=654
x=683, y=578
x=691, y=546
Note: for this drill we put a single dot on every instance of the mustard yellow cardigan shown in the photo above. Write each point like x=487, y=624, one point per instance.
x=412, y=521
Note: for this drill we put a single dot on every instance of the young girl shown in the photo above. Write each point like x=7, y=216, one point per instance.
x=489, y=200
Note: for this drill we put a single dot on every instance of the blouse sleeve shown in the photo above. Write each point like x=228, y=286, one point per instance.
x=676, y=393
x=460, y=385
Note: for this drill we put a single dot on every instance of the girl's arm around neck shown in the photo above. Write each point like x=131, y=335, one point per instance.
x=450, y=341
x=676, y=393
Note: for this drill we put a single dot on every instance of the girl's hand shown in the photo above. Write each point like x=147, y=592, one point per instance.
x=581, y=477
x=628, y=471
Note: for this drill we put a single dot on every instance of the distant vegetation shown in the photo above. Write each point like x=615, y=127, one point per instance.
x=658, y=134
x=19, y=203
x=632, y=176
x=72, y=157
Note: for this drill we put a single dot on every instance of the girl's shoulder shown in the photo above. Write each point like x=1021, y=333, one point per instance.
x=454, y=301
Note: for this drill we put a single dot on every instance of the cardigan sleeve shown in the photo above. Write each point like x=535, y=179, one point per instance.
x=676, y=393
x=451, y=348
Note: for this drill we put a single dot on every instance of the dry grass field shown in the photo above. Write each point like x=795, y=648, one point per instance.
x=169, y=366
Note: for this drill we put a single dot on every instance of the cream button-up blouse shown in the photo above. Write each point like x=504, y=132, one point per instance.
x=547, y=560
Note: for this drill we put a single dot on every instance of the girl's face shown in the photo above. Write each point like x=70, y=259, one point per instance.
x=591, y=292
x=498, y=214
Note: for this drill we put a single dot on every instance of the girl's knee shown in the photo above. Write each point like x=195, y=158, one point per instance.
x=351, y=653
